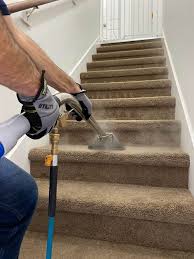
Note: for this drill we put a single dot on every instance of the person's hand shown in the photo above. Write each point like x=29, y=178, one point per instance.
x=85, y=104
x=42, y=111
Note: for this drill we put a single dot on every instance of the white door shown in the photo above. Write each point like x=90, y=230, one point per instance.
x=131, y=19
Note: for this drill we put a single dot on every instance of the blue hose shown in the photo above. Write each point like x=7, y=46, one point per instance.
x=2, y=150
x=52, y=206
x=51, y=226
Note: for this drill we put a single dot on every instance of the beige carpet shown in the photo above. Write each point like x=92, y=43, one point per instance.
x=34, y=247
x=135, y=198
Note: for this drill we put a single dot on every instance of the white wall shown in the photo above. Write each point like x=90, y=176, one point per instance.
x=68, y=34
x=179, y=41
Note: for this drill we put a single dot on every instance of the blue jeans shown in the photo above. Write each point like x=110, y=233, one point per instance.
x=18, y=199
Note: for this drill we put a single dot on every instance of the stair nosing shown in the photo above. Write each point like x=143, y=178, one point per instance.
x=132, y=41
x=127, y=61
x=161, y=101
x=139, y=50
x=169, y=125
x=134, y=46
x=126, y=85
x=116, y=53
x=125, y=72
x=154, y=205
x=162, y=158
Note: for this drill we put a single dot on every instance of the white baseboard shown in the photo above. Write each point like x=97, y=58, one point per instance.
x=187, y=137
x=130, y=39
x=81, y=65
x=19, y=154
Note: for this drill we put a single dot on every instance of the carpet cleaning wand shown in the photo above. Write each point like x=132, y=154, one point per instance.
x=104, y=140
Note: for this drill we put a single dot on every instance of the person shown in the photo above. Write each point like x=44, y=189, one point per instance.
x=26, y=69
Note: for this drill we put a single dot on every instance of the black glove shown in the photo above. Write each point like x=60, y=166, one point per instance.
x=42, y=111
x=85, y=104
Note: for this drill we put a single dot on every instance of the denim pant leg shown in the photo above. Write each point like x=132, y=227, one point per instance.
x=18, y=199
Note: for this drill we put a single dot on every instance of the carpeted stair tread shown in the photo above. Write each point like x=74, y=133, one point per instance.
x=128, y=89
x=130, y=42
x=160, y=167
x=125, y=125
x=129, y=53
x=152, y=84
x=127, y=62
x=142, y=108
x=34, y=246
x=135, y=102
x=131, y=46
x=140, y=202
x=129, y=132
x=156, y=156
x=125, y=72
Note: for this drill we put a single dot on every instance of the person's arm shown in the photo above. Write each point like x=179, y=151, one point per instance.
x=22, y=63
x=55, y=76
x=19, y=73
x=17, y=70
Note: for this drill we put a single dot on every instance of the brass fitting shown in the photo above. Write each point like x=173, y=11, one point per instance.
x=62, y=122
x=54, y=140
x=55, y=135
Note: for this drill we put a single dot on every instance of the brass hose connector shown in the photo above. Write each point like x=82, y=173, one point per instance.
x=54, y=140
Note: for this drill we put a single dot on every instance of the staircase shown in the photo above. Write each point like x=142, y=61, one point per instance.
x=120, y=204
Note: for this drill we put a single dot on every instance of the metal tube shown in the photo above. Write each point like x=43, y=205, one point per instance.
x=105, y=141
x=96, y=126
x=74, y=104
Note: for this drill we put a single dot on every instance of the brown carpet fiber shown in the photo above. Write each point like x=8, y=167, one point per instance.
x=65, y=247
x=120, y=204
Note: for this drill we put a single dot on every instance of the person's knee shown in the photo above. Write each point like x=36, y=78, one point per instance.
x=21, y=187
x=34, y=192
x=18, y=199
x=30, y=192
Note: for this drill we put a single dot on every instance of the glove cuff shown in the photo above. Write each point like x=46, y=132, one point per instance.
x=42, y=90
x=81, y=92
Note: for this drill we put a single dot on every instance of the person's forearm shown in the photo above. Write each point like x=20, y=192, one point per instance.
x=18, y=72
x=55, y=76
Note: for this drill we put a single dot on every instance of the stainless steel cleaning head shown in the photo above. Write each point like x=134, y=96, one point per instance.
x=104, y=140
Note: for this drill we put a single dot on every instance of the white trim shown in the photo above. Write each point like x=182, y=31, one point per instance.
x=185, y=110
x=128, y=40
x=187, y=138
x=82, y=59
x=81, y=65
x=10, y=154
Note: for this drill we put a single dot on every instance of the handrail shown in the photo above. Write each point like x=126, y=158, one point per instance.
x=24, y=5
